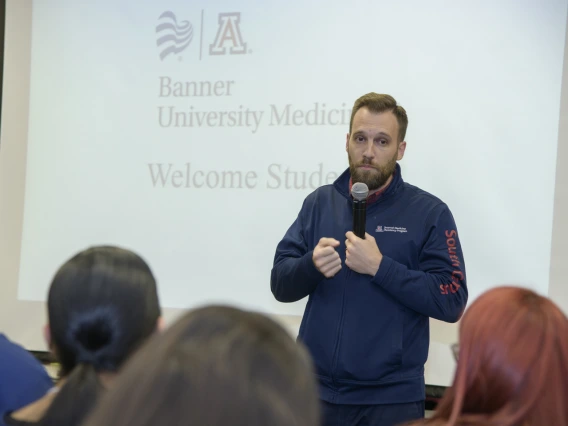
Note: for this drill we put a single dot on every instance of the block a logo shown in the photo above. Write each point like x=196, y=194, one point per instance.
x=228, y=33
x=173, y=38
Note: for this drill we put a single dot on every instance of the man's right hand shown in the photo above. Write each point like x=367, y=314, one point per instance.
x=325, y=258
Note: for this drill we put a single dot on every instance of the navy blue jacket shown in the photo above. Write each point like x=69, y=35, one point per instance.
x=369, y=336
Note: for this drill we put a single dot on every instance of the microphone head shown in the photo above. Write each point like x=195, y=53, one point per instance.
x=359, y=191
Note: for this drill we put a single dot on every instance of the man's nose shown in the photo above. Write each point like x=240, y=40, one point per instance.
x=369, y=153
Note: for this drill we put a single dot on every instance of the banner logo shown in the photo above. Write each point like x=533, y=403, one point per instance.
x=173, y=38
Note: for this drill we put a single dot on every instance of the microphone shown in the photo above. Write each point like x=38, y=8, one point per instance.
x=359, y=192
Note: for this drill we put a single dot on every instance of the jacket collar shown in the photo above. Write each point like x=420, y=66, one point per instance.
x=341, y=184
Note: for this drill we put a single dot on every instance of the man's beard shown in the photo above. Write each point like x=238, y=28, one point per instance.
x=374, y=178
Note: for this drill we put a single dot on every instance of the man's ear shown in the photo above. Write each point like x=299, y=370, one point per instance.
x=401, y=149
x=347, y=142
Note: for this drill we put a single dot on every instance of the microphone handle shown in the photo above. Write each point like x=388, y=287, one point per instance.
x=359, y=218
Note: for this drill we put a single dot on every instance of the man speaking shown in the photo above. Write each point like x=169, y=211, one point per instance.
x=366, y=322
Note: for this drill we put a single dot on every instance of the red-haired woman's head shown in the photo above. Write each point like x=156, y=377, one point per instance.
x=513, y=363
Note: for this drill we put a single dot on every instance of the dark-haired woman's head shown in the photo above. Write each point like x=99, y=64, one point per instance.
x=216, y=366
x=512, y=363
x=102, y=304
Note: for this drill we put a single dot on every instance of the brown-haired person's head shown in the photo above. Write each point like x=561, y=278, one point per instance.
x=215, y=366
x=512, y=363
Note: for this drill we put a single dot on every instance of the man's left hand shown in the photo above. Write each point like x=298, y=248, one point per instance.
x=363, y=255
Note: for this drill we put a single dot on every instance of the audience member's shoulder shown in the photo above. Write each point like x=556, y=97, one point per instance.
x=24, y=379
x=14, y=356
x=9, y=348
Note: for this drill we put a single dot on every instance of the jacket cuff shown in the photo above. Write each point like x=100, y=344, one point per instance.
x=381, y=278
x=307, y=264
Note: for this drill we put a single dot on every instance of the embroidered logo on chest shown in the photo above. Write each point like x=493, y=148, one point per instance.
x=381, y=228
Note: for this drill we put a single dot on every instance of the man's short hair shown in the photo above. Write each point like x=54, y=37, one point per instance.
x=377, y=102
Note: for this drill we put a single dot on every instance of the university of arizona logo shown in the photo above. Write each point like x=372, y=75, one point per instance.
x=228, y=34
x=173, y=38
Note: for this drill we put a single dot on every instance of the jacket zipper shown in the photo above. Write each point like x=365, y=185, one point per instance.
x=341, y=315
x=339, y=333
